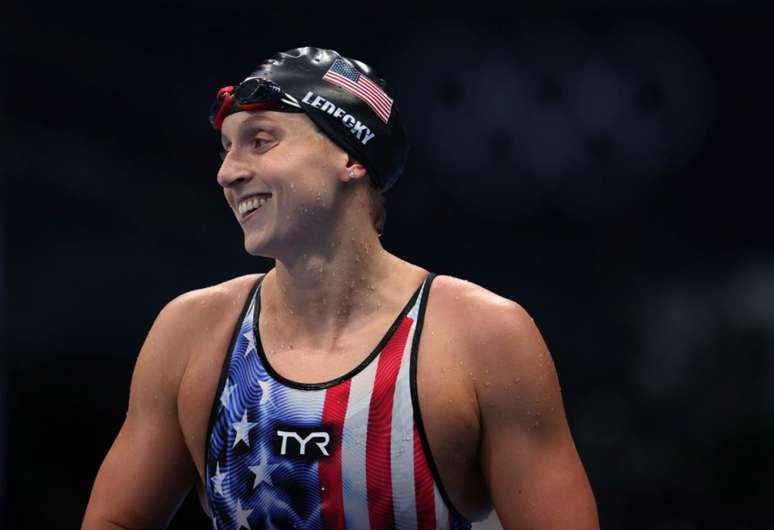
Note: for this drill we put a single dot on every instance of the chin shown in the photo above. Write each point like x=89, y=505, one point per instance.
x=257, y=246
x=254, y=245
x=256, y=250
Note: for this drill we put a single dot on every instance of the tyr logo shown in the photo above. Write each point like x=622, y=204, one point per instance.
x=295, y=442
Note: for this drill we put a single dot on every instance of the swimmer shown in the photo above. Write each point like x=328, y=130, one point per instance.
x=345, y=387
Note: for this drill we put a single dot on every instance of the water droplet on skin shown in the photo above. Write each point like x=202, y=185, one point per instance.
x=517, y=380
x=461, y=363
x=487, y=383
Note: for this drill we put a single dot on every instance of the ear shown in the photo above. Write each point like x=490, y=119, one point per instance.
x=354, y=170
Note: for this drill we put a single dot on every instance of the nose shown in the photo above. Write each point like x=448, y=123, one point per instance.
x=232, y=171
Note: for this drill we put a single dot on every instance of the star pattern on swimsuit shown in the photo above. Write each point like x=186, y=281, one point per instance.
x=227, y=391
x=241, y=516
x=262, y=472
x=217, y=480
x=243, y=430
x=264, y=392
x=250, y=312
x=250, y=342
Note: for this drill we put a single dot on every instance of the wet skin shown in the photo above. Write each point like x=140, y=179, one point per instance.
x=445, y=386
x=487, y=386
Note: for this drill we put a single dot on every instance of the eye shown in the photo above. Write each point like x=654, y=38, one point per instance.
x=259, y=142
x=222, y=154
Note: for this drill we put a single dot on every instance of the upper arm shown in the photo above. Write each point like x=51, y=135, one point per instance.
x=148, y=470
x=532, y=469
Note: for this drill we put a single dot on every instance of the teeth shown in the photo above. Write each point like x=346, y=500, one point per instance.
x=253, y=203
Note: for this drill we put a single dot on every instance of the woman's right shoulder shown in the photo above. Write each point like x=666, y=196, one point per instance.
x=201, y=305
x=187, y=324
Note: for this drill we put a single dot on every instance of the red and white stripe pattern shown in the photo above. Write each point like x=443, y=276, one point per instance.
x=378, y=477
x=349, y=78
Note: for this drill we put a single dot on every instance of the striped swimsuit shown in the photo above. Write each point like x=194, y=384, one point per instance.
x=349, y=453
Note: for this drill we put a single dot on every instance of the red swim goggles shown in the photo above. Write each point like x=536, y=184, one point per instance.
x=254, y=93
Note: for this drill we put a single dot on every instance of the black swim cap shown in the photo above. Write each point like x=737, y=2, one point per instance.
x=344, y=97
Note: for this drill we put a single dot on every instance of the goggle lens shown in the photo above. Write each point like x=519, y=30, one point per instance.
x=254, y=93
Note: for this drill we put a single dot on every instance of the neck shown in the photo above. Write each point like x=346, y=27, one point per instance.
x=322, y=291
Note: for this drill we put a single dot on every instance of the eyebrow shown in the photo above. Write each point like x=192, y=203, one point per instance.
x=250, y=126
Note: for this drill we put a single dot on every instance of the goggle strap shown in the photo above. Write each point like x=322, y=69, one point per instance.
x=227, y=94
x=257, y=106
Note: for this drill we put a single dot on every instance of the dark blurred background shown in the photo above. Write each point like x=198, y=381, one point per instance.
x=607, y=165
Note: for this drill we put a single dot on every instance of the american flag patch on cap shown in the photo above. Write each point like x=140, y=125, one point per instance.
x=350, y=79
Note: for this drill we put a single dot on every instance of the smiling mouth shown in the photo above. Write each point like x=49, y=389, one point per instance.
x=251, y=204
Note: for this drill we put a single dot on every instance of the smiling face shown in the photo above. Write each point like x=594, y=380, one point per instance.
x=285, y=181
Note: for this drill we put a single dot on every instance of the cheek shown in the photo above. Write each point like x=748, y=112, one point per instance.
x=319, y=180
x=304, y=177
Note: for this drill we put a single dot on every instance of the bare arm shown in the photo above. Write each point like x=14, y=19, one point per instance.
x=529, y=461
x=148, y=470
